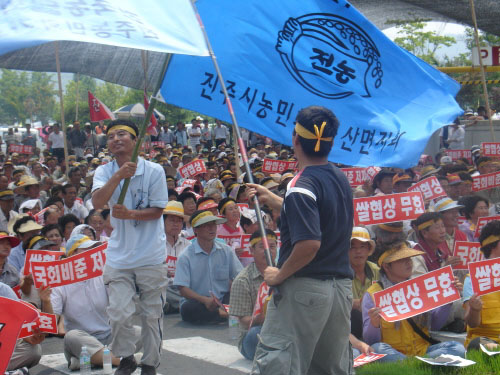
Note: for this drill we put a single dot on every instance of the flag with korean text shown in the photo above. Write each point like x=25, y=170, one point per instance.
x=278, y=57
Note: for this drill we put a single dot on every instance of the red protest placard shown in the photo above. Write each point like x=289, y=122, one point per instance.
x=262, y=294
x=158, y=144
x=14, y=315
x=372, y=172
x=46, y=323
x=363, y=359
x=192, y=169
x=171, y=263
x=482, y=221
x=468, y=252
x=239, y=241
x=418, y=295
x=277, y=166
x=39, y=216
x=388, y=208
x=21, y=149
x=39, y=256
x=459, y=154
x=242, y=206
x=429, y=187
x=80, y=267
x=355, y=176
x=461, y=220
x=485, y=276
x=485, y=181
x=490, y=149
x=17, y=290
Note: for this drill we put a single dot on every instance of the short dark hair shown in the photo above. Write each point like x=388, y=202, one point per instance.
x=73, y=170
x=53, y=200
x=105, y=213
x=257, y=234
x=123, y=122
x=492, y=228
x=186, y=195
x=174, y=193
x=316, y=115
x=50, y=227
x=68, y=218
x=55, y=189
x=93, y=212
x=66, y=187
x=469, y=202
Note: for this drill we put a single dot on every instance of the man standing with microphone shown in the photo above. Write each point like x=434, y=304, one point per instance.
x=135, y=257
x=307, y=325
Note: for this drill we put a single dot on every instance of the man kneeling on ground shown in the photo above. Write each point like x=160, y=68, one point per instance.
x=205, y=271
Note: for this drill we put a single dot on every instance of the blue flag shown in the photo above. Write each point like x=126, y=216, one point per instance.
x=161, y=26
x=280, y=56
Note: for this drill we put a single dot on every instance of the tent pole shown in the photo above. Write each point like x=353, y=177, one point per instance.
x=77, y=95
x=142, y=129
x=61, y=101
x=243, y=150
x=483, y=75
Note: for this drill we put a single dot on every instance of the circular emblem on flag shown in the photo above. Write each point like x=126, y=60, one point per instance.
x=330, y=56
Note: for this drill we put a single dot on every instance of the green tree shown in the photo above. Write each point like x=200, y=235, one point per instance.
x=85, y=84
x=423, y=44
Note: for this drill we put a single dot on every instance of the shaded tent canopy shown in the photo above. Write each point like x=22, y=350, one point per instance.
x=124, y=66
x=136, y=110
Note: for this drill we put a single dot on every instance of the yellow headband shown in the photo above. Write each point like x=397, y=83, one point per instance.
x=257, y=239
x=169, y=210
x=200, y=216
x=76, y=244
x=425, y=224
x=383, y=256
x=34, y=240
x=483, y=163
x=490, y=240
x=446, y=202
x=6, y=192
x=223, y=208
x=127, y=128
x=391, y=229
x=304, y=133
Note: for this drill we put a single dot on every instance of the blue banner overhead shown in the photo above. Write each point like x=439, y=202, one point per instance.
x=280, y=56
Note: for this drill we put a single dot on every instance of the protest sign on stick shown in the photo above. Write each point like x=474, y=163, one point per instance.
x=388, y=208
x=468, y=252
x=80, y=267
x=485, y=276
x=418, y=295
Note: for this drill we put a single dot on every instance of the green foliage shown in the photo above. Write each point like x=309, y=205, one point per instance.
x=25, y=95
x=423, y=44
x=484, y=365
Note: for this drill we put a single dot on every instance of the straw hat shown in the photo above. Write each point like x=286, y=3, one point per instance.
x=24, y=182
x=393, y=255
x=174, y=208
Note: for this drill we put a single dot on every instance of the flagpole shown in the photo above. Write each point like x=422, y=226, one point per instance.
x=243, y=150
x=483, y=75
x=61, y=101
x=142, y=129
x=77, y=95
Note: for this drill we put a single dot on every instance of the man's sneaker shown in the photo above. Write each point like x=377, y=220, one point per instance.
x=148, y=370
x=127, y=366
x=74, y=364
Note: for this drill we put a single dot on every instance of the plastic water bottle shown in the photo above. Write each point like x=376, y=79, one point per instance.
x=106, y=361
x=234, y=327
x=84, y=361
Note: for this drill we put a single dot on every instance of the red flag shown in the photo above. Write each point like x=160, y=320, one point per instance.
x=98, y=110
x=14, y=315
x=152, y=125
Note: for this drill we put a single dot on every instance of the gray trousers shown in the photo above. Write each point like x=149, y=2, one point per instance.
x=307, y=330
x=25, y=355
x=75, y=339
x=150, y=283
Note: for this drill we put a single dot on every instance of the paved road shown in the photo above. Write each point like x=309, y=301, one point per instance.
x=187, y=350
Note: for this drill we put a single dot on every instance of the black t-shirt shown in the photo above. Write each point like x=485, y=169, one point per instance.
x=318, y=206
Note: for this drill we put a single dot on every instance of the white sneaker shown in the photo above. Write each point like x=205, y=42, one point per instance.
x=74, y=364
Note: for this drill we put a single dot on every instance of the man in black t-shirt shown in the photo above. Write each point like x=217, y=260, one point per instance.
x=308, y=322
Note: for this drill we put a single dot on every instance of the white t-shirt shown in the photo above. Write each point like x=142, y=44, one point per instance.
x=194, y=136
x=56, y=140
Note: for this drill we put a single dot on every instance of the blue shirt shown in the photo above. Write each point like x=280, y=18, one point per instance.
x=136, y=243
x=204, y=273
x=16, y=257
x=467, y=291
